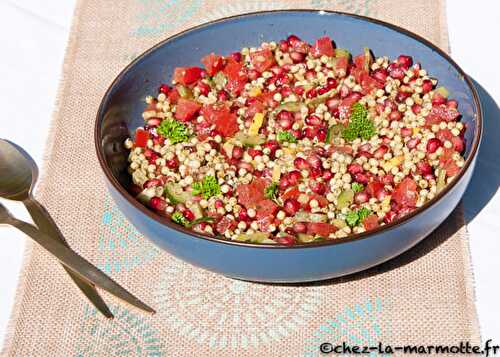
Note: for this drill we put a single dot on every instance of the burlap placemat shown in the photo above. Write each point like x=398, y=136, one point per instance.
x=423, y=297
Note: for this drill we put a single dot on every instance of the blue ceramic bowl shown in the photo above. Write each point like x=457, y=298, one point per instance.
x=120, y=113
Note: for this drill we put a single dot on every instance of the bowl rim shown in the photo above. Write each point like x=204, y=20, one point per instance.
x=351, y=238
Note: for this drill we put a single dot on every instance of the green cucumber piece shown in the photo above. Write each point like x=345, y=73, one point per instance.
x=175, y=193
x=345, y=198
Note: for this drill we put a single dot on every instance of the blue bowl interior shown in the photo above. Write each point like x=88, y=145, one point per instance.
x=122, y=106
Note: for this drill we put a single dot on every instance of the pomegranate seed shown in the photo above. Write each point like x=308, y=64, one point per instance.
x=236, y=56
x=286, y=92
x=243, y=215
x=452, y=104
x=315, y=172
x=188, y=214
x=361, y=197
x=385, y=139
x=299, y=90
x=380, y=74
x=424, y=168
x=331, y=83
x=284, y=114
x=301, y=163
x=433, y=144
x=395, y=115
x=284, y=183
x=172, y=164
x=366, y=154
x=158, y=204
x=299, y=227
x=283, y=46
x=285, y=123
x=219, y=204
x=310, y=132
x=354, y=169
x=297, y=57
x=405, y=61
x=254, y=152
x=222, y=96
x=291, y=206
x=314, y=161
x=438, y=100
x=293, y=39
x=426, y=86
x=245, y=165
x=311, y=93
x=395, y=71
x=327, y=175
x=401, y=96
x=361, y=178
x=389, y=217
x=323, y=90
x=390, y=104
x=237, y=152
x=313, y=120
x=429, y=177
x=203, y=88
x=152, y=183
x=412, y=143
x=165, y=89
x=388, y=179
x=416, y=108
x=365, y=147
x=380, y=152
x=286, y=240
x=318, y=187
x=322, y=133
x=294, y=177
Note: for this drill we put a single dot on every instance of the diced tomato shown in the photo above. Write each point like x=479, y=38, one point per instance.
x=225, y=121
x=225, y=224
x=186, y=109
x=173, y=96
x=441, y=113
x=447, y=163
x=372, y=188
x=371, y=222
x=236, y=76
x=252, y=193
x=444, y=134
x=187, y=75
x=369, y=83
x=323, y=46
x=141, y=138
x=405, y=193
x=266, y=208
x=321, y=229
x=292, y=192
x=213, y=63
x=338, y=148
x=265, y=222
x=341, y=65
x=359, y=61
x=358, y=73
x=262, y=60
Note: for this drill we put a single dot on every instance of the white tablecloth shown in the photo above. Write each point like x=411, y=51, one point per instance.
x=33, y=36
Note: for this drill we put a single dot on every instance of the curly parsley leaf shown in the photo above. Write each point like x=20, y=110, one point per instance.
x=174, y=130
x=178, y=217
x=286, y=136
x=271, y=191
x=208, y=187
x=353, y=218
x=360, y=126
x=357, y=187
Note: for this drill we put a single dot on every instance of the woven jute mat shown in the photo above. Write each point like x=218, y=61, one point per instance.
x=423, y=297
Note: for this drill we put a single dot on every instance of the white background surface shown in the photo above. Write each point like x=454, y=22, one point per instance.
x=33, y=35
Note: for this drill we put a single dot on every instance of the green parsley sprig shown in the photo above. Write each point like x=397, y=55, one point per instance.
x=353, y=218
x=178, y=217
x=286, y=136
x=208, y=187
x=357, y=187
x=271, y=191
x=174, y=130
x=360, y=126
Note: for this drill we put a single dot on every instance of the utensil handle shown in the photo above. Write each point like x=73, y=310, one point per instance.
x=47, y=225
x=78, y=264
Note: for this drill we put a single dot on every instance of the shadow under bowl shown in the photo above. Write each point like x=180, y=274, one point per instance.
x=120, y=114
